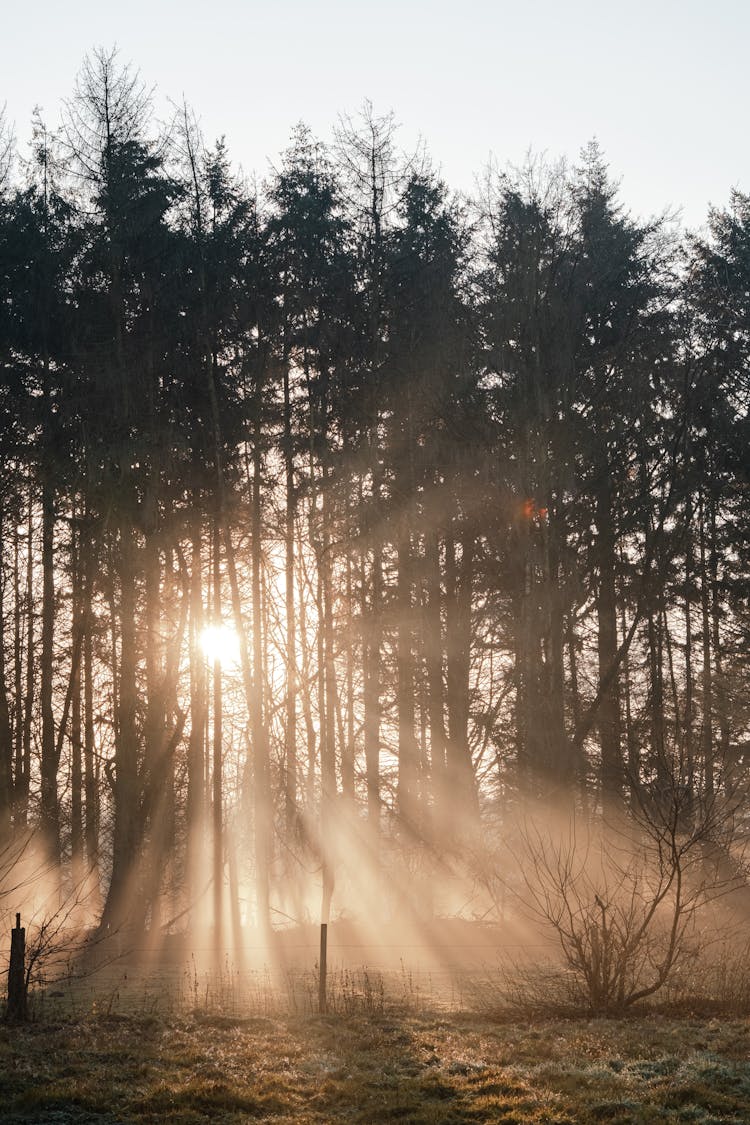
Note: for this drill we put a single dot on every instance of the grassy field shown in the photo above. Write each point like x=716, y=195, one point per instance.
x=410, y=1068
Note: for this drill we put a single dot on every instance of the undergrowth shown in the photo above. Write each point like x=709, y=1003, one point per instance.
x=226, y=990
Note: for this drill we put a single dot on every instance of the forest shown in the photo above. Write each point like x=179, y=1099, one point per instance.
x=348, y=524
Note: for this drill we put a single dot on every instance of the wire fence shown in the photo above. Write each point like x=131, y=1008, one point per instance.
x=365, y=977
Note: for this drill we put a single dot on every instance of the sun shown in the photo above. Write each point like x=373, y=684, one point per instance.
x=221, y=642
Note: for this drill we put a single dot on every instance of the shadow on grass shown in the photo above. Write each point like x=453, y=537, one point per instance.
x=396, y=1067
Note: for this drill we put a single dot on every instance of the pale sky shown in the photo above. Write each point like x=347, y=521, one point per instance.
x=663, y=84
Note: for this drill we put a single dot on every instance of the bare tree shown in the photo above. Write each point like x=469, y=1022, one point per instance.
x=625, y=902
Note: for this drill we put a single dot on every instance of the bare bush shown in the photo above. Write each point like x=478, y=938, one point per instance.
x=625, y=901
x=53, y=912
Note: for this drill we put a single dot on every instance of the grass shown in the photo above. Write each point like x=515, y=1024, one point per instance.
x=372, y=1067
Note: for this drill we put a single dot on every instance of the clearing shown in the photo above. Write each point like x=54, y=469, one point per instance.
x=414, y=1068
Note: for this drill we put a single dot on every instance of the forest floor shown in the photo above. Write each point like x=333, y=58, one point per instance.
x=411, y=1067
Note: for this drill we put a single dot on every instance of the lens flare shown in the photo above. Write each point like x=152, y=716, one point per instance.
x=221, y=642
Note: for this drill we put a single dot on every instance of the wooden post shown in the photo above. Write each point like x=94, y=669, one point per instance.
x=17, y=1008
x=322, y=999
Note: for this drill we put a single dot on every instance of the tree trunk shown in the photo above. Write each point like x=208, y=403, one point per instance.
x=196, y=765
x=720, y=685
x=6, y=730
x=262, y=804
x=290, y=728
x=126, y=790
x=76, y=720
x=433, y=652
x=459, y=571
x=688, y=749
x=49, y=806
x=707, y=742
x=91, y=771
x=559, y=753
x=607, y=648
x=217, y=760
x=408, y=776
x=372, y=630
x=23, y=776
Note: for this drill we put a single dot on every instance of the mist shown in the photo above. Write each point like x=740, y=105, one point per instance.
x=374, y=578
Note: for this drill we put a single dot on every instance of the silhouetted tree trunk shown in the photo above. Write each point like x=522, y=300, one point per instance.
x=290, y=730
x=50, y=814
x=433, y=648
x=23, y=774
x=91, y=771
x=6, y=730
x=76, y=719
x=720, y=687
x=687, y=747
x=608, y=719
x=707, y=740
x=196, y=765
x=408, y=776
x=346, y=739
x=18, y=654
x=459, y=577
x=218, y=753
x=372, y=639
x=258, y=733
x=126, y=788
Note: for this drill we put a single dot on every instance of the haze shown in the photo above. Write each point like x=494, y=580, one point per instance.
x=374, y=562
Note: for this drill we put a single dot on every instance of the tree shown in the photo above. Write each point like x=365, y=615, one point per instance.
x=123, y=276
x=627, y=907
x=431, y=398
x=719, y=311
x=529, y=321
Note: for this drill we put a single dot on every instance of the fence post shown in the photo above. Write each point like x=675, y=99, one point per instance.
x=322, y=998
x=17, y=1007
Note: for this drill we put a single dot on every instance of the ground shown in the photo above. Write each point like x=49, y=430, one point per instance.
x=371, y=1068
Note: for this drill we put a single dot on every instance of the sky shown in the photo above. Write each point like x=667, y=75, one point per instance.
x=663, y=85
